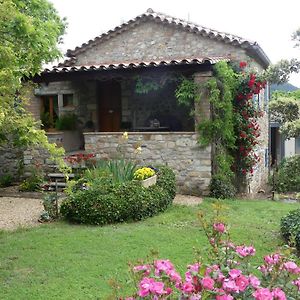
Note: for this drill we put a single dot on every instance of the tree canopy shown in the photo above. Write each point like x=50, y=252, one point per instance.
x=280, y=72
x=30, y=31
x=285, y=109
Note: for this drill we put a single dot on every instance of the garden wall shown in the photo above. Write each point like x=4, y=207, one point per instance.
x=178, y=150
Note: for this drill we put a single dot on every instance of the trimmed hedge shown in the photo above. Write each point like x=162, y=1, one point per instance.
x=108, y=202
x=290, y=228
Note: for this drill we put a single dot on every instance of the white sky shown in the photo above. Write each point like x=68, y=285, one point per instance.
x=270, y=23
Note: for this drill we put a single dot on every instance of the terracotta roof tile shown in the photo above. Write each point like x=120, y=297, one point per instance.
x=134, y=65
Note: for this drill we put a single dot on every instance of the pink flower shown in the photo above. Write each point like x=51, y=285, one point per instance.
x=230, y=286
x=174, y=276
x=224, y=297
x=219, y=227
x=278, y=294
x=145, y=268
x=187, y=288
x=242, y=282
x=194, y=268
x=254, y=281
x=272, y=259
x=244, y=251
x=163, y=266
x=234, y=273
x=207, y=283
x=150, y=286
x=291, y=267
x=263, y=294
x=297, y=283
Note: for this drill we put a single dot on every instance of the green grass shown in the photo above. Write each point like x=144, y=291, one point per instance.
x=62, y=261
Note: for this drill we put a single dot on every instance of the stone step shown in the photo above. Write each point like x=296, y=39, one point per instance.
x=59, y=175
x=57, y=184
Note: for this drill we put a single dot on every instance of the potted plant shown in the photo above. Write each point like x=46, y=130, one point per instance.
x=146, y=176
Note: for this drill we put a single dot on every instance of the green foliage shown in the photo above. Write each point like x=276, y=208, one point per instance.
x=221, y=187
x=285, y=109
x=121, y=170
x=31, y=184
x=66, y=122
x=287, y=178
x=29, y=33
x=108, y=202
x=187, y=92
x=6, y=180
x=145, y=87
x=50, y=203
x=290, y=228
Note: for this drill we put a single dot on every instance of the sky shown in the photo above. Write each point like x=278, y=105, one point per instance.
x=270, y=23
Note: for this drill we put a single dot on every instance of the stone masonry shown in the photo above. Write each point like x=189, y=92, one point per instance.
x=180, y=151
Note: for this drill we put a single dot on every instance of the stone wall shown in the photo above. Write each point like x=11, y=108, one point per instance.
x=11, y=161
x=178, y=150
x=152, y=40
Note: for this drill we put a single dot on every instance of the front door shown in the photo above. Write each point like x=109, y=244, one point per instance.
x=109, y=106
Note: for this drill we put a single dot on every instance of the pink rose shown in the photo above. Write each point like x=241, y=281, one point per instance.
x=278, y=294
x=234, y=273
x=263, y=294
x=254, y=281
x=230, y=286
x=145, y=268
x=187, y=288
x=244, y=251
x=207, y=283
x=272, y=259
x=219, y=227
x=242, y=282
x=224, y=297
x=291, y=267
x=297, y=283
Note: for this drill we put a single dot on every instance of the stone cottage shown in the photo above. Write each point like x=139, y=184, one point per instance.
x=99, y=83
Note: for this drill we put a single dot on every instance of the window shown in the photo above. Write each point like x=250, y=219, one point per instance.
x=49, y=111
x=67, y=100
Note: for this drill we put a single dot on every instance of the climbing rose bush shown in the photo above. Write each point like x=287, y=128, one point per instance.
x=228, y=276
x=248, y=129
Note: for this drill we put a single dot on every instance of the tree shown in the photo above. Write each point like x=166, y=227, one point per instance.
x=280, y=72
x=29, y=33
x=285, y=109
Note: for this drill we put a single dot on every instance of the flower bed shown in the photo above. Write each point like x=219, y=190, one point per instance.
x=103, y=201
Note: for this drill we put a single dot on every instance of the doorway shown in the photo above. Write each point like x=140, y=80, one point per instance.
x=109, y=106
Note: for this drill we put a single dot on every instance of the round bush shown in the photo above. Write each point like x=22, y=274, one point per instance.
x=221, y=188
x=290, y=228
x=107, y=202
x=288, y=176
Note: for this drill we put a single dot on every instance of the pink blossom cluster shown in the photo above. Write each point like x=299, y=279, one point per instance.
x=220, y=281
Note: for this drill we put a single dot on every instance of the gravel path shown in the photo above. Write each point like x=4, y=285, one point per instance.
x=19, y=212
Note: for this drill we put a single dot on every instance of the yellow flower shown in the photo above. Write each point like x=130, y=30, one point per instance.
x=125, y=135
x=138, y=150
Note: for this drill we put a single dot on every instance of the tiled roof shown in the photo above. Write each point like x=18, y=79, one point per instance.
x=192, y=27
x=134, y=65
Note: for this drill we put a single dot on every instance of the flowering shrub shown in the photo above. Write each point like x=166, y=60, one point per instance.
x=79, y=157
x=143, y=173
x=247, y=127
x=229, y=275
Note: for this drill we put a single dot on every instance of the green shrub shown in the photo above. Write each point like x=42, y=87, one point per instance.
x=290, y=228
x=6, y=180
x=31, y=184
x=110, y=202
x=287, y=178
x=221, y=188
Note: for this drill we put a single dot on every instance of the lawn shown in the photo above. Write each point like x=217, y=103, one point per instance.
x=62, y=261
